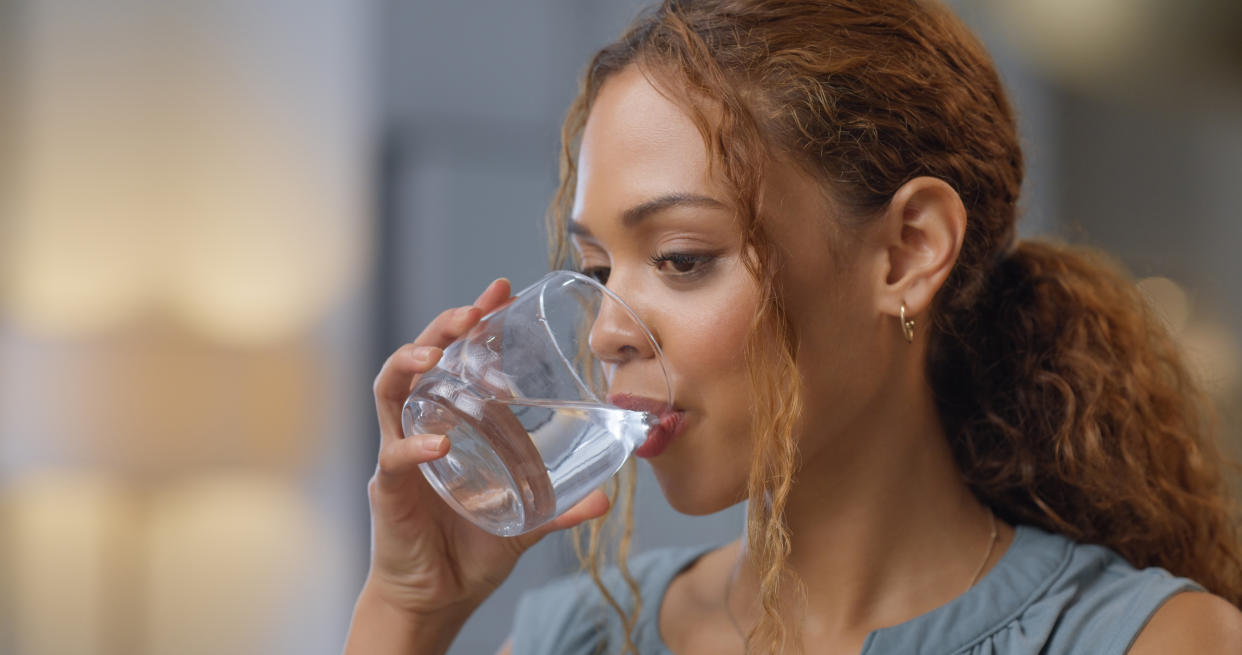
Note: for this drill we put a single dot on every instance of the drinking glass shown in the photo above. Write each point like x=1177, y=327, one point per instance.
x=536, y=417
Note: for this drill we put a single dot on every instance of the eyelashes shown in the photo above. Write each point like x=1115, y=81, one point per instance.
x=683, y=264
x=679, y=265
x=600, y=273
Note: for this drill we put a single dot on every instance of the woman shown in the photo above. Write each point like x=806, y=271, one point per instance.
x=951, y=441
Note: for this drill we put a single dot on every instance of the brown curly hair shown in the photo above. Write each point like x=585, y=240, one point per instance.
x=1066, y=402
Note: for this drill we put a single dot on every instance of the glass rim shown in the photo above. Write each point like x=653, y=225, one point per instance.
x=562, y=273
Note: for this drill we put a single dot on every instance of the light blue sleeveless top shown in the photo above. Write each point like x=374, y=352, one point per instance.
x=1046, y=596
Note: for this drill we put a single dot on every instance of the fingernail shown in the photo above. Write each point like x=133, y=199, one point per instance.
x=432, y=444
x=463, y=313
x=485, y=290
x=422, y=356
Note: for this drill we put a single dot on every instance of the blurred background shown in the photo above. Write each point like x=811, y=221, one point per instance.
x=217, y=219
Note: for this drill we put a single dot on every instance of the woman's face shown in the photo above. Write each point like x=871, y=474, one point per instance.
x=649, y=222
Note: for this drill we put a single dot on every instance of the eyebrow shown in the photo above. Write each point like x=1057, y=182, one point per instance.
x=635, y=215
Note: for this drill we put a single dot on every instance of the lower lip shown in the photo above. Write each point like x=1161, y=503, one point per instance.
x=662, y=435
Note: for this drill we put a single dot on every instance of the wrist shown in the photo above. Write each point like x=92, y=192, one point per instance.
x=383, y=626
x=419, y=605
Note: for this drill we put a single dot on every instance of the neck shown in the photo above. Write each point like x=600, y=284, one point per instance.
x=883, y=531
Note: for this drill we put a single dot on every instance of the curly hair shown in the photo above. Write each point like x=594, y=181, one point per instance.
x=1066, y=402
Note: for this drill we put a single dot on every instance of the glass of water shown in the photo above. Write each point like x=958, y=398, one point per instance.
x=542, y=400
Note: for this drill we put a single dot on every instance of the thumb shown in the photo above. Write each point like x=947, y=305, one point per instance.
x=596, y=504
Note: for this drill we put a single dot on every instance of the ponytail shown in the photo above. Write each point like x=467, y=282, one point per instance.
x=1069, y=407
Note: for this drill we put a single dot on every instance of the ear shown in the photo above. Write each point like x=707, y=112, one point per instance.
x=922, y=231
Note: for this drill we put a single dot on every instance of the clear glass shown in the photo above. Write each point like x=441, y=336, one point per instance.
x=523, y=398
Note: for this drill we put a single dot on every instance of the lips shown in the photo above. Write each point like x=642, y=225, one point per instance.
x=671, y=421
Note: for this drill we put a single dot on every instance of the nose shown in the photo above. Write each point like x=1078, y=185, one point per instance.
x=616, y=337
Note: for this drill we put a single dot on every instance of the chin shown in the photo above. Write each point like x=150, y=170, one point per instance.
x=697, y=493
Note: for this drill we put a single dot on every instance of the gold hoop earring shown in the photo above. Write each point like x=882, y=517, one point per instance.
x=907, y=325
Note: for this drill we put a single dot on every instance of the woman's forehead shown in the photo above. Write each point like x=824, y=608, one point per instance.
x=638, y=147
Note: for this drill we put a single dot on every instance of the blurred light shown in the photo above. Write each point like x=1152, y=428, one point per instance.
x=189, y=200
x=1075, y=38
x=202, y=160
x=1210, y=349
x=71, y=535
x=64, y=287
x=267, y=247
x=258, y=281
x=1169, y=301
x=86, y=173
x=1214, y=357
x=227, y=551
x=1211, y=352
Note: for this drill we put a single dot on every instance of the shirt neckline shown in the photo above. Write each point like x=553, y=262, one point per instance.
x=1027, y=567
x=653, y=640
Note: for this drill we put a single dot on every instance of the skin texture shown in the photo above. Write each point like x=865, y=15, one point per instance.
x=1191, y=622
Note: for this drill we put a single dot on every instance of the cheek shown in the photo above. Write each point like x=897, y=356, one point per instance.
x=705, y=339
x=702, y=471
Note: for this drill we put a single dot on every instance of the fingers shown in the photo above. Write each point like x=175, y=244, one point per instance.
x=397, y=375
x=448, y=326
x=452, y=323
x=595, y=505
x=392, y=385
x=399, y=459
x=495, y=294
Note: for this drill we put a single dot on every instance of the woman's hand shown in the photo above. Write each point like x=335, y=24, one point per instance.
x=426, y=560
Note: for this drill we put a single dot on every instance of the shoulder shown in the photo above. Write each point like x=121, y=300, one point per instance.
x=570, y=614
x=557, y=615
x=1192, y=622
x=1089, y=600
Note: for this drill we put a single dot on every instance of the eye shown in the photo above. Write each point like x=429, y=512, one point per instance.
x=682, y=264
x=600, y=273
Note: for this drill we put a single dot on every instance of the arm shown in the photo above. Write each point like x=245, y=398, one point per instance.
x=1192, y=622
x=379, y=628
